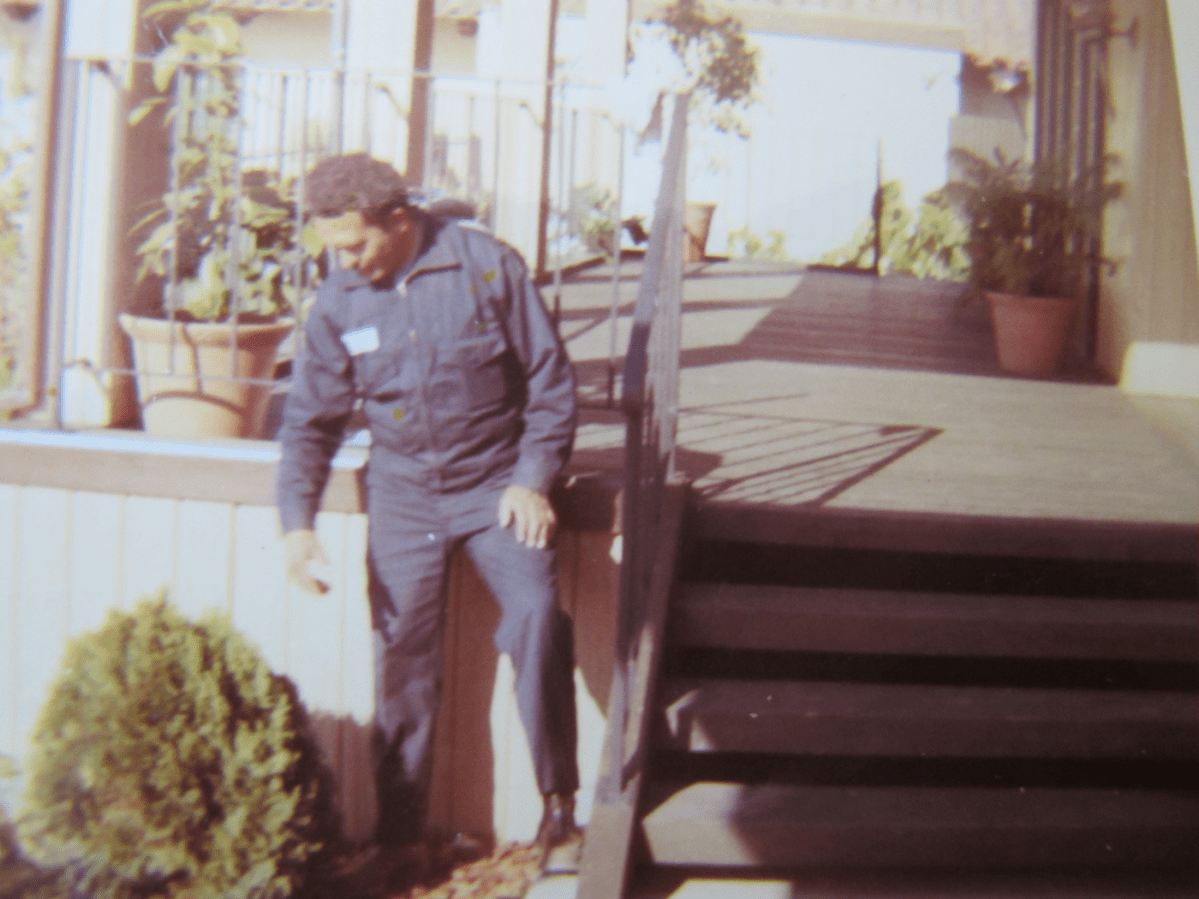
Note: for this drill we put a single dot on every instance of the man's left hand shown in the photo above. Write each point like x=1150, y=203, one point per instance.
x=531, y=515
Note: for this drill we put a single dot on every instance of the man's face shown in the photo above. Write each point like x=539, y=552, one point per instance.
x=374, y=250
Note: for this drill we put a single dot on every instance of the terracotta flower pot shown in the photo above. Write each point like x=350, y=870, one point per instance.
x=186, y=386
x=1030, y=332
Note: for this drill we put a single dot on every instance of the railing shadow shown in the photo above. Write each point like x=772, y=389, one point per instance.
x=793, y=462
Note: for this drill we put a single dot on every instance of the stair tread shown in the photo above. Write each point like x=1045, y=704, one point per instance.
x=939, y=883
x=708, y=714
x=782, y=618
x=928, y=808
x=787, y=825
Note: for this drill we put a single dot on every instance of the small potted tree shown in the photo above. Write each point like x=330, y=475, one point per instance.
x=1033, y=230
x=718, y=68
x=220, y=242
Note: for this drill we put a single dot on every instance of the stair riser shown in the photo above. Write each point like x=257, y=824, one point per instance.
x=932, y=738
x=953, y=722
x=769, y=825
x=782, y=619
x=878, y=847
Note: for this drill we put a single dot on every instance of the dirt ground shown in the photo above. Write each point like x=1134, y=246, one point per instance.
x=436, y=869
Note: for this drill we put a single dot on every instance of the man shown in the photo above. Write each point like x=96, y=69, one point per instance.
x=433, y=331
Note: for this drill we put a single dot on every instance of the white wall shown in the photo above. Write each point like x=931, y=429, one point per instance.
x=1184, y=31
x=809, y=166
x=289, y=39
x=67, y=556
x=95, y=29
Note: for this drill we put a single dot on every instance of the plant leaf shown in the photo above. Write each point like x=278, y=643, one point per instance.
x=144, y=109
x=165, y=65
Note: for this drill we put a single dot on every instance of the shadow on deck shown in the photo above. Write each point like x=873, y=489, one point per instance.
x=872, y=409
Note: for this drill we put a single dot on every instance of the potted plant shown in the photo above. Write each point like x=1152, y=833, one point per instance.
x=220, y=242
x=1033, y=230
x=718, y=68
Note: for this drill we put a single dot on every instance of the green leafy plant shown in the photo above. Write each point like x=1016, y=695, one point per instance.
x=929, y=243
x=14, y=207
x=590, y=221
x=745, y=243
x=169, y=761
x=8, y=845
x=225, y=231
x=19, y=877
x=1032, y=227
x=16, y=175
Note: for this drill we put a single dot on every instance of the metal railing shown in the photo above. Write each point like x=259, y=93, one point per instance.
x=650, y=401
x=281, y=122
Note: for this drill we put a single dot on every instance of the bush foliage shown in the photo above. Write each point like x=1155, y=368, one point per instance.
x=928, y=244
x=169, y=761
x=745, y=243
x=1034, y=227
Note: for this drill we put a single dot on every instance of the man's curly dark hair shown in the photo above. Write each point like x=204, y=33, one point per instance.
x=354, y=182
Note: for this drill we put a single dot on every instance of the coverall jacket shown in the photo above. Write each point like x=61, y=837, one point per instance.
x=466, y=388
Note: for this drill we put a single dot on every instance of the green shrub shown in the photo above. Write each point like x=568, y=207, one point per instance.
x=169, y=761
x=8, y=846
x=744, y=243
x=929, y=244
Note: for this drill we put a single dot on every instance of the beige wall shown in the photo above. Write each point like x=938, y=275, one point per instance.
x=1184, y=28
x=151, y=518
x=1153, y=297
x=289, y=39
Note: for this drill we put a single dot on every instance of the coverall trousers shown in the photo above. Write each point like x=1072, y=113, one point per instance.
x=412, y=535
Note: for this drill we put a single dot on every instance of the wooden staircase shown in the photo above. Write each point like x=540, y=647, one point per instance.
x=878, y=722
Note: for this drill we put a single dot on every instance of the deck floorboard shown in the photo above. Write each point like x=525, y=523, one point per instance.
x=822, y=393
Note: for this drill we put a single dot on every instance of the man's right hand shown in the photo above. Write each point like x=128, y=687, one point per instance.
x=303, y=549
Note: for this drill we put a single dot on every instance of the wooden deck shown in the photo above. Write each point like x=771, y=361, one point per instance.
x=897, y=568
x=872, y=409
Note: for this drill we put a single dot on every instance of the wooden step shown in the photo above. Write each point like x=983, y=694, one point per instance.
x=737, y=825
x=937, y=883
x=757, y=617
x=831, y=527
x=707, y=715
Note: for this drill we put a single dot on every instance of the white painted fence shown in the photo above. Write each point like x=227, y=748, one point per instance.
x=79, y=536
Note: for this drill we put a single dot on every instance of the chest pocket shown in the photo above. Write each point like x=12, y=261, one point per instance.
x=377, y=367
x=373, y=371
x=482, y=362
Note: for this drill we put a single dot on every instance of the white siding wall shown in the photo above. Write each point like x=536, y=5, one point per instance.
x=69, y=556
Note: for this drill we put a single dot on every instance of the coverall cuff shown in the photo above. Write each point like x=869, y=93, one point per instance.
x=294, y=518
x=534, y=475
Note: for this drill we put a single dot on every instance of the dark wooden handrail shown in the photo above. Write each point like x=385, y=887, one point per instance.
x=649, y=399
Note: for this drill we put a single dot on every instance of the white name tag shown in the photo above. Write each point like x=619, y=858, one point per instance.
x=364, y=340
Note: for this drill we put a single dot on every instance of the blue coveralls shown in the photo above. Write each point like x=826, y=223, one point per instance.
x=467, y=389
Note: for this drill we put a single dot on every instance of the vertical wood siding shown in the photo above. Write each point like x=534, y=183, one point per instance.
x=68, y=557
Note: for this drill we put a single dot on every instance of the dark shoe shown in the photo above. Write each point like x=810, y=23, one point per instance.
x=381, y=870
x=401, y=815
x=559, y=839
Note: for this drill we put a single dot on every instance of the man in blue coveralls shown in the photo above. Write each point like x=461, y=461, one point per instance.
x=433, y=330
